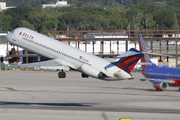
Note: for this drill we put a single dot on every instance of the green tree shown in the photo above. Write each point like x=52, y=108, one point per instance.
x=145, y=8
x=116, y=21
x=37, y=19
x=164, y=19
x=50, y=24
x=175, y=25
x=5, y=22
x=160, y=5
x=149, y=22
x=141, y=16
x=18, y=14
x=26, y=24
x=137, y=19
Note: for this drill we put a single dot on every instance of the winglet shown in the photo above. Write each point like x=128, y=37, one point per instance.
x=129, y=60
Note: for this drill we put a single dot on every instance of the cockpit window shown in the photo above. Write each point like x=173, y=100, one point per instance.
x=12, y=32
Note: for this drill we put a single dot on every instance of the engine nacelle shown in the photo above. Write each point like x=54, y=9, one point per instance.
x=160, y=85
x=88, y=70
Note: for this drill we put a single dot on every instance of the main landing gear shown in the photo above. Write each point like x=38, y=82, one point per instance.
x=159, y=90
x=62, y=74
x=84, y=75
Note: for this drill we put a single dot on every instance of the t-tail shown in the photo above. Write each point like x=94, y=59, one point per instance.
x=129, y=60
x=143, y=49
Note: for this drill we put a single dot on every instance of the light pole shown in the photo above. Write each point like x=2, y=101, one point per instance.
x=81, y=31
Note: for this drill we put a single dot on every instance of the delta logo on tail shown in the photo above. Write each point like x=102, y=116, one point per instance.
x=160, y=76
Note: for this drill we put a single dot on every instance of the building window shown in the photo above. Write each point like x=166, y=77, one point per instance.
x=3, y=40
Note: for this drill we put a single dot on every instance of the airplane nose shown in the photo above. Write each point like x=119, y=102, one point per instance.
x=8, y=36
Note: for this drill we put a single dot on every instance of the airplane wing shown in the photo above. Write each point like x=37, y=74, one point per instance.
x=50, y=64
x=154, y=80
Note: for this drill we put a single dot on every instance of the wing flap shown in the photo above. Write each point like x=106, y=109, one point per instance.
x=50, y=64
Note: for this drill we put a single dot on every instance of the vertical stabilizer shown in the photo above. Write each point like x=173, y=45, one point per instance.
x=129, y=60
x=143, y=49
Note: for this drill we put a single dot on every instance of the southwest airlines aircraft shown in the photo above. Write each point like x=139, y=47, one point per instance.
x=64, y=56
x=160, y=76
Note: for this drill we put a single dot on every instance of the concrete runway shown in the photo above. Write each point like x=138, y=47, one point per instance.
x=41, y=95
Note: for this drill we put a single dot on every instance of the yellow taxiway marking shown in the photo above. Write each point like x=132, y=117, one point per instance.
x=4, y=110
x=11, y=89
x=175, y=104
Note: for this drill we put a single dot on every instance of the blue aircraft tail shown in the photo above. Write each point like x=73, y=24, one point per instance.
x=142, y=47
x=129, y=60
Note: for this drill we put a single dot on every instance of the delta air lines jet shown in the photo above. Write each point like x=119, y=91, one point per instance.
x=162, y=77
x=64, y=56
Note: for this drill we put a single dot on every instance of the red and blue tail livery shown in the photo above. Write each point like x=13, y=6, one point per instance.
x=128, y=62
x=161, y=76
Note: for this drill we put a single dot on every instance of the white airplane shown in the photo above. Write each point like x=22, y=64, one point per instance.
x=64, y=56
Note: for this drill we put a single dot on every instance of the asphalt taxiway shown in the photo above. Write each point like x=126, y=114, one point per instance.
x=41, y=95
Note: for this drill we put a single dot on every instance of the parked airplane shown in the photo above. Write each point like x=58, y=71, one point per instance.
x=161, y=76
x=64, y=56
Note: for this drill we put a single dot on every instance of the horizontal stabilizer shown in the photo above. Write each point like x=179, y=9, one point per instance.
x=129, y=53
x=157, y=54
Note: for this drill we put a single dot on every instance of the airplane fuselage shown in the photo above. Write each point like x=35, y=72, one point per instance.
x=66, y=54
x=163, y=72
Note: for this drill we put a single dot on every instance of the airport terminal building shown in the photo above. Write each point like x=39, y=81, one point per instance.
x=3, y=47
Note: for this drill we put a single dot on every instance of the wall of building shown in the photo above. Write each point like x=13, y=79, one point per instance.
x=4, y=7
x=58, y=4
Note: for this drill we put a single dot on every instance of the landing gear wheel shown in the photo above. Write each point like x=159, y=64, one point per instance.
x=158, y=89
x=61, y=74
x=84, y=75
